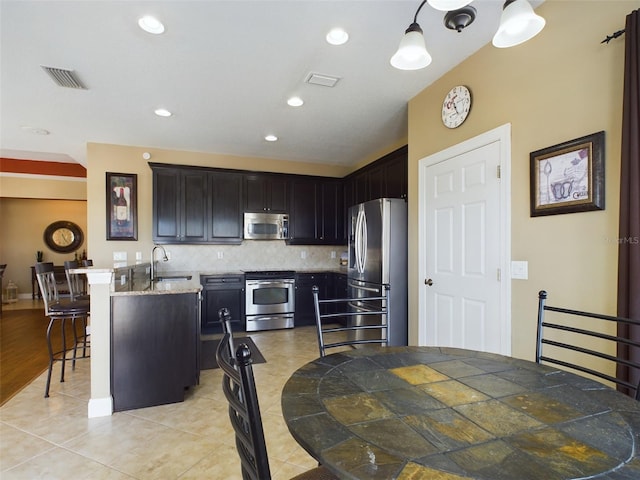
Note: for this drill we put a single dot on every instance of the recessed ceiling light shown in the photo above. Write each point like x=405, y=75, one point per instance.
x=337, y=36
x=271, y=138
x=162, y=112
x=151, y=24
x=295, y=102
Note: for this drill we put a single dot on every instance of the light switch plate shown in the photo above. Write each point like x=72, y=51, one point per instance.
x=520, y=269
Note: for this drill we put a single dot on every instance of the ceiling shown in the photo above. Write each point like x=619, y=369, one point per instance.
x=225, y=69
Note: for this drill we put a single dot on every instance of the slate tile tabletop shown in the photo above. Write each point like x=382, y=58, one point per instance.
x=451, y=414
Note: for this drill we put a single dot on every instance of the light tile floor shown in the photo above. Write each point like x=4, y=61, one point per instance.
x=53, y=438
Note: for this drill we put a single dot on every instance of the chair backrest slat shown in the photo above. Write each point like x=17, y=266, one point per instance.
x=77, y=286
x=238, y=385
x=47, y=283
x=351, y=313
x=574, y=342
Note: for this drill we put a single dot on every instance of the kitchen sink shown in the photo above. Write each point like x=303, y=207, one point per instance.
x=174, y=278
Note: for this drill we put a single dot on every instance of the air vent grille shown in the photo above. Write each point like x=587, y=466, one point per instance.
x=321, y=79
x=64, y=78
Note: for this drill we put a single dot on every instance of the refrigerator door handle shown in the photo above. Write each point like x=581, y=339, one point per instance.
x=360, y=241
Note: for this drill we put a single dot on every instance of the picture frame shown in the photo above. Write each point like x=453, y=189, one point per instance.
x=122, y=206
x=568, y=177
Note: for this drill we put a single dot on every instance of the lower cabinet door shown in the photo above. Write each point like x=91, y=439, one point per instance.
x=219, y=292
x=154, y=349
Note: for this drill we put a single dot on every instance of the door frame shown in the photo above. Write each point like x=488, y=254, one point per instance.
x=502, y=135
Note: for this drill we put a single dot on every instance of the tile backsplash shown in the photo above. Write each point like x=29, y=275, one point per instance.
x=250, y=255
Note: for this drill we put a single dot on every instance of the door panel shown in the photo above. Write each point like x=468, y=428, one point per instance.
x=462, y=250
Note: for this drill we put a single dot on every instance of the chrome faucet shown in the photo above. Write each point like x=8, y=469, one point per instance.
x=153, y=261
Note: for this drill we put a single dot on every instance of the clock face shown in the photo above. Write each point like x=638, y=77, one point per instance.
x=63, y=236
x=456, y=106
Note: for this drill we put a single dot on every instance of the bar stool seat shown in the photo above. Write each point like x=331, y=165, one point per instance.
x=59, y=311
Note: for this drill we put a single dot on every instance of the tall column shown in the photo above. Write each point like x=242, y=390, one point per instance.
x=101, y=402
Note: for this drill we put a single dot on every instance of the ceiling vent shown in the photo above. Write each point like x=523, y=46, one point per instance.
x=64, y=78
x=320, y=79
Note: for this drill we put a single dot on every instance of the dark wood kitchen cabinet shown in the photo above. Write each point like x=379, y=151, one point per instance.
x=266, y=193
x=305, y=310
x=220, y=291
x=316, y=211
x=386, y=177
x=179, y=205
x=155, y=348
x=225, y=207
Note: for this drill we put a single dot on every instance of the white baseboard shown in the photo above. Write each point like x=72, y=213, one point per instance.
x=100, y=407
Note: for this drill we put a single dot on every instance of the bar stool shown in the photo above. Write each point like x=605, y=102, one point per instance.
x=78, y=291
x=59, y=311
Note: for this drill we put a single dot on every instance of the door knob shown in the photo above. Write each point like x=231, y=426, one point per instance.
x=428, y=282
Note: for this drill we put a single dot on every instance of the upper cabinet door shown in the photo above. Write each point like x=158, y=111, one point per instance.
x=225, y=206
x=303, y=219
x=194, y=206
x=166, y=205
x=332, y=213
x=266, y=193
x=179, y=205
x=394, y=173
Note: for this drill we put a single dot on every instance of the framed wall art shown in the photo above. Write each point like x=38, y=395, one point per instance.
x=122, y=206
x=568, y=177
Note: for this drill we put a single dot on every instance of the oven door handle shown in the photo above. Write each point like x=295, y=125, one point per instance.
x=261, y=283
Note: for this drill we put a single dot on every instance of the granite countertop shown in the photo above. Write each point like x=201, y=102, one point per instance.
x=429, y=412
x=168, y=285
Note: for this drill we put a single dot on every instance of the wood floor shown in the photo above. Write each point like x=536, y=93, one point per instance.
x=23, y=349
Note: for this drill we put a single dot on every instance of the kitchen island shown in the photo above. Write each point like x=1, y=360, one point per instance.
x=155, y=341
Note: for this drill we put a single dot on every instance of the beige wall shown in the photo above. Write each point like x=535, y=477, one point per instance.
x=561, y=85
x=23, y=223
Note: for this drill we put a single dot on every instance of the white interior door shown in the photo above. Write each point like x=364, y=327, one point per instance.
x=464, y=245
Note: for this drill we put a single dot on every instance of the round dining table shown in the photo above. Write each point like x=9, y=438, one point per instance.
x=451, y=414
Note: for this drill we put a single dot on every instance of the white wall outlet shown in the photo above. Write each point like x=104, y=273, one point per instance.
x=303, y=254
x=220, y=255
x=119, y=256
x=520, y=270
x=138, y=256
x=333, y=254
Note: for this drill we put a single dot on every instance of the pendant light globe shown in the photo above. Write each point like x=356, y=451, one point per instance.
x=518, y=24
x=412, y=53
x=446, y=5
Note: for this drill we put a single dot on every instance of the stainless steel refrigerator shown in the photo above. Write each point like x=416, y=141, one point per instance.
x=378, y=257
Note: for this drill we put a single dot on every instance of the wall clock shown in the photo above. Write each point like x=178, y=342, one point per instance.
x=456, y=106
x=63, y=236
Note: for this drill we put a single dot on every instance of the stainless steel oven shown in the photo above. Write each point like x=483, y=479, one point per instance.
x=270, y=300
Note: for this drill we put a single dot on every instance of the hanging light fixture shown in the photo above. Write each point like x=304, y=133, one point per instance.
x=518, y=24
x=447, y=5
x=412, y=53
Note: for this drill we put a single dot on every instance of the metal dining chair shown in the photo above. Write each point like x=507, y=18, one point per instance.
x=350, y=315
x=567, y=337
x=59, y=311
x=239, y=387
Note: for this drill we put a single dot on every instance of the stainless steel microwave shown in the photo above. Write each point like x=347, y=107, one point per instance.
x=266, y=226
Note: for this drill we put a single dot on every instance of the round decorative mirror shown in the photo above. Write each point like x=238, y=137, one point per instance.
x=63, y=236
